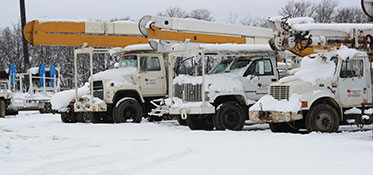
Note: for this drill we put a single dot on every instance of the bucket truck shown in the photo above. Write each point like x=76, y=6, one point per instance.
x=332, y=86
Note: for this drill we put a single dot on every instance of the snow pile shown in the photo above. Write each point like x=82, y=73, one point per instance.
x=268, y=103
x=355, y=110
x=115, y=74
x=291, y=21
x=318, y=68
x=62, y=99
x=138, y=47
x=300, y=20
x=33, y=70
x=216, y=82
x=312, y=70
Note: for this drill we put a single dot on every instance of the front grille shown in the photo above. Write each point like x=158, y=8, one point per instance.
x=98, y=89
x=188, y=92
x=279, y=92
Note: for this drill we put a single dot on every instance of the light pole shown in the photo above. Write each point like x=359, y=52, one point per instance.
x=26, y=54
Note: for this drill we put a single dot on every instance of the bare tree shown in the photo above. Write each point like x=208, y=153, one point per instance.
x=174, y=12
x=350, y=15
x=124, y=18
x=297, y=9
x=232, y=18
x=257, y=22
x=324, y=11
x=201, y=14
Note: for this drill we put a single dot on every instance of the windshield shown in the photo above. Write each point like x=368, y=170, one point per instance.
x=220, y=67
x=239, y=64
x=128, y=61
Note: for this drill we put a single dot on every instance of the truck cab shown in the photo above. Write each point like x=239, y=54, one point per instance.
x=230, y=88
x=320, y=100
x=125, y=92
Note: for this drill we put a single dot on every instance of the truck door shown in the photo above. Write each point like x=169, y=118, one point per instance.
x=152, y=76
x=352, y=84
x=257, y=78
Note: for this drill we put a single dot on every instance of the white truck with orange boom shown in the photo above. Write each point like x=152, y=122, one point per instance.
x=331, y=87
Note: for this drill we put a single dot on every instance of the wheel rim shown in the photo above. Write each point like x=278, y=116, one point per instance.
x=324, y=122
x=86, y=118
x=231, y=119
x=129, y=113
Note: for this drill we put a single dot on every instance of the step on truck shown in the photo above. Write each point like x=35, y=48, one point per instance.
x=329, y=85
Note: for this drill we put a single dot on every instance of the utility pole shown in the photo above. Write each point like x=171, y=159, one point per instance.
x=26, y=54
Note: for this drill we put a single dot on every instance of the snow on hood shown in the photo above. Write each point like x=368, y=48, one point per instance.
x=63, y=98
x=268, y=103
x=318, y=68
x=228, y=81
x=115, y=74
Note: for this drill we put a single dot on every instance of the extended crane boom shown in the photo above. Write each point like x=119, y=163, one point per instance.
x=192, y=30
x=96, y=34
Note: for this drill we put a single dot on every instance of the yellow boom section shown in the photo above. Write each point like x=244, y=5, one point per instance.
x=95, y=34
x=156, y=33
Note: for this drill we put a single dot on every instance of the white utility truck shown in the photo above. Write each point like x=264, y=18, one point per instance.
x=28, y=91
x=221, y=98
x=329, y=85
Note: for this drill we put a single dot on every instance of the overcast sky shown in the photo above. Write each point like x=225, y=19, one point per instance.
x=109, y=9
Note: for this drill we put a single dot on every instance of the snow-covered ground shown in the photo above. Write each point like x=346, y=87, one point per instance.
x=33, y=143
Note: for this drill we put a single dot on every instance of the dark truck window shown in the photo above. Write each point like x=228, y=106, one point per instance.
x=254, y=68
x=128, y=61
x=352, y=68
x=150, y=64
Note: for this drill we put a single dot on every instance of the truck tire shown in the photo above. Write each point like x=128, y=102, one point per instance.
x=230, y=116
x=181, y=121
x=68, y=117
x=322, y=118
x=197, y=122
x=11, y=112
x=282, y=127
x=83, y=117
x=2, y=108
x=126, y=110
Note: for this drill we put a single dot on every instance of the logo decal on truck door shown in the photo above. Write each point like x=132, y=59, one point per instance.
x=353, y=93
x=150, y=81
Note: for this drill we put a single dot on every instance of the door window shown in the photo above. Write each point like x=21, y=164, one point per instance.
x=154, y=64
x=254, y=68
x=352, y=68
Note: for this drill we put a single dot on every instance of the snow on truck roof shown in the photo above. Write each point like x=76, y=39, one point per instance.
x=318, y=68
x=218, y=48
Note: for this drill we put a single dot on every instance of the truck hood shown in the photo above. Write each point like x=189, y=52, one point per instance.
x=116, y=76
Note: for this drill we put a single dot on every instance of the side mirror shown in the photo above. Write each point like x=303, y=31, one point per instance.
x=116, y=65
x=261, y=67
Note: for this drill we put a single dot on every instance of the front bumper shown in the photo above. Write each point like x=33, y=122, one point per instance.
x=273, y=116
x=85, y=106
x=192, y=110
